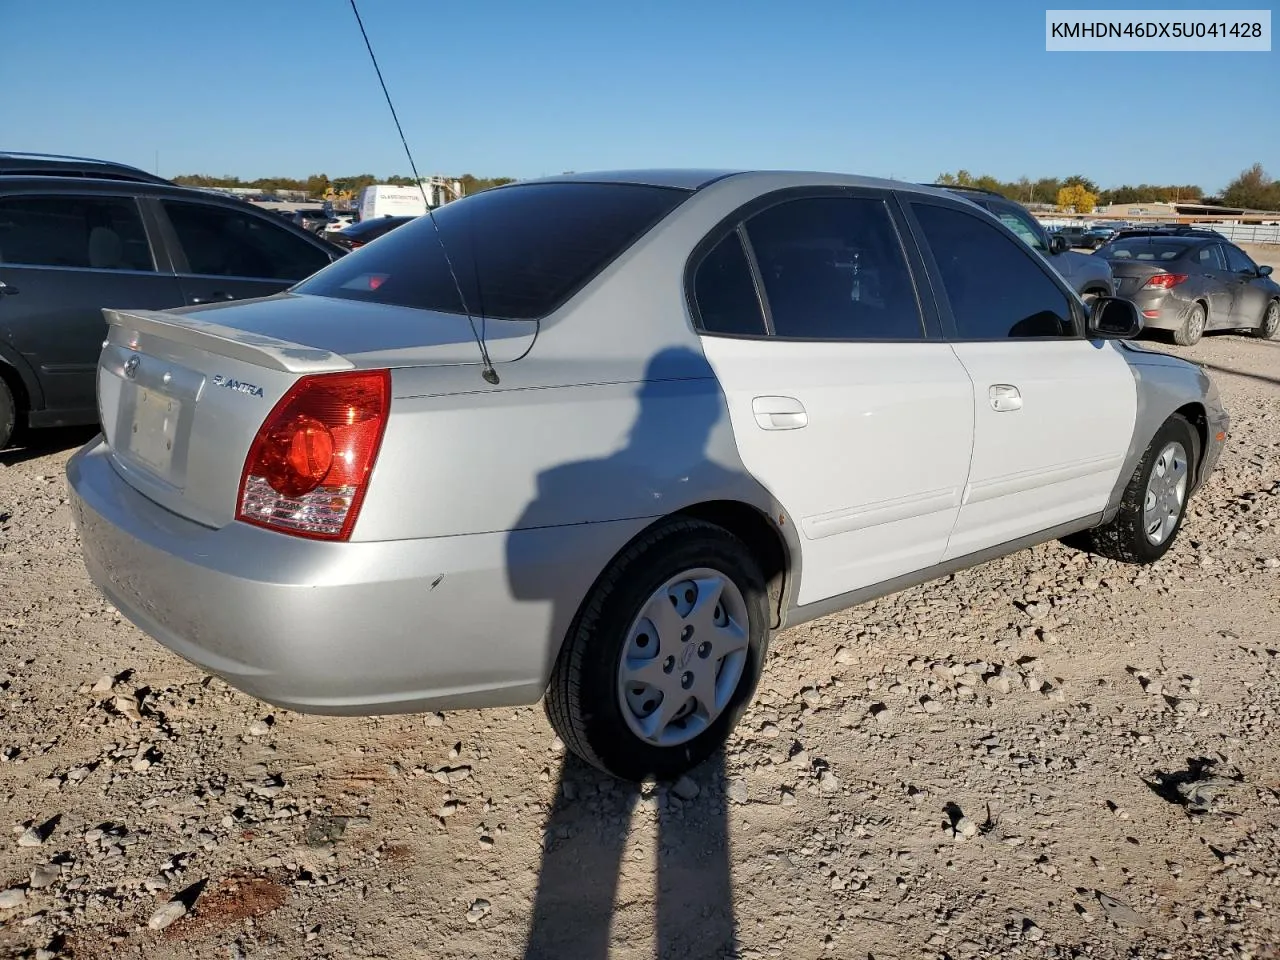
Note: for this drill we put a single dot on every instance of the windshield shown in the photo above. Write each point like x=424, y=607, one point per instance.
x=1028, y=234
x=519, y=251
x=1144, y=248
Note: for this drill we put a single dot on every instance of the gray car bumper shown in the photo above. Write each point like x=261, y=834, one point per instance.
x=341, y=628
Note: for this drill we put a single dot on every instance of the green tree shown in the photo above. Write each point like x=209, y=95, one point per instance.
x=1253, y=190
x=317, y=185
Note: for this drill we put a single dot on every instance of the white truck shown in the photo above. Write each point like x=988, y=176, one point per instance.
x=385, y=200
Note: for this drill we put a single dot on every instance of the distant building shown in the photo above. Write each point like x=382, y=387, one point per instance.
x=1137, y=210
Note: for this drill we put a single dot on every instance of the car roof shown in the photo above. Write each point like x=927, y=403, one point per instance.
x=695, y=179
x=149, y=188
x=16, y=163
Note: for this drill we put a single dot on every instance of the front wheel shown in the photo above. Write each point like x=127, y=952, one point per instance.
x=1269, y=328
x=1192, y=328
x=1154, y=501
x=664, y=655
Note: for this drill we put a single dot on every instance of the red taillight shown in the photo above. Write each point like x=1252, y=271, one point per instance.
x=309, y=465
x=355, y=243
x=1165, y=280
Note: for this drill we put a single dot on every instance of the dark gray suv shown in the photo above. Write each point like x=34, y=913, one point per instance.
x=1090, y=276
x=79, y=236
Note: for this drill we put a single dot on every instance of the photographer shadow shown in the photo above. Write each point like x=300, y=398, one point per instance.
x=585, y=846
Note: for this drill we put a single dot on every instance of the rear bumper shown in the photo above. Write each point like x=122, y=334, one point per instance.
x=341, y=628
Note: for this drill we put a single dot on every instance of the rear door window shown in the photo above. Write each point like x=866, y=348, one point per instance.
x=88, y=232
x=1210, y=257
x=833, y=269
x=221, y=242
x=518, y=252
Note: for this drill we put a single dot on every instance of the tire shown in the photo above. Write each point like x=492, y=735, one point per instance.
x=1192, y=328
x=8, y=414
x=1092, y=294
x=1126, y=537
x=598, y=702
x=1269, y=328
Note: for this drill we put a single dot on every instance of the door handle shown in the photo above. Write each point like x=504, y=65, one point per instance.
x=779, y=413
x=1005, y=398
x=5, y=288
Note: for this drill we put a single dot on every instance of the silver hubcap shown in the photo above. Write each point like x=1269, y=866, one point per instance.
x=1271, y=323
x=1166, y=489
x=1195, y=324
x=684, y=656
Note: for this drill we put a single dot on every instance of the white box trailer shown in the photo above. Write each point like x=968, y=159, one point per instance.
x=385, y=200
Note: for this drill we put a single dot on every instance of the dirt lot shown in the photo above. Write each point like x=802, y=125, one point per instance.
x=1049, y=756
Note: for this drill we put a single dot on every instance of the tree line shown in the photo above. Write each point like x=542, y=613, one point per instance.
x=320, y=185
x=1252, y=189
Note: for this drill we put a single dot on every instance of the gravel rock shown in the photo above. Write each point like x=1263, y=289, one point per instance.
x=259, y=728
x=104, y=685
x=167, y=914
x=45, y=875
x=685, y=788
x=13, y=897
x=479, y=910
x=737, y=791
x=30, y=837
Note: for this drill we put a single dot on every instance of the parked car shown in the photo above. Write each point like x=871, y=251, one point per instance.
x=71, y=245
x=1089, y=238
x=337, y=221
x=311, y=219
x=358, y=234
x=718, y=405
x=1089, y=276
x=1191, y=281
x=56, y=165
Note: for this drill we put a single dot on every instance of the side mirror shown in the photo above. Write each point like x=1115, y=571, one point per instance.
x=1058, y=244
x=1113, y=318
x=1264, y=270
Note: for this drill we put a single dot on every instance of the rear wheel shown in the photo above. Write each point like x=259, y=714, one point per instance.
x=1192, y=328
x=1269, y=328
x=664, y=655
x=1155, y=499
x=8, y=414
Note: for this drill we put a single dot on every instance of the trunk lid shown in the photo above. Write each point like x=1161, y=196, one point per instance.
x=1130, y=275
x=182, y=393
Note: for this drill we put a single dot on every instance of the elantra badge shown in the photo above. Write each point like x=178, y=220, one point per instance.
x=239, y=386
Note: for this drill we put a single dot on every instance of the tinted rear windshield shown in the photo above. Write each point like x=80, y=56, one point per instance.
x=1141, y=248
x=519, y=251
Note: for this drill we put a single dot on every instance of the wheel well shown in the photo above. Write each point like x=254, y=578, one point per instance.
x=1195, y=414
x=754, y=529
x=13, y=381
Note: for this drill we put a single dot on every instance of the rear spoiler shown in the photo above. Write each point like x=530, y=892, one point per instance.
x=255, y=348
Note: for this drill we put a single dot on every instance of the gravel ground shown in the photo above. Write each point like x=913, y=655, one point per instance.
x=1048, y=756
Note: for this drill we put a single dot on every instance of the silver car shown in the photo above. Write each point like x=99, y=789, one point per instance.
x=603, y=435
x=1192, y=281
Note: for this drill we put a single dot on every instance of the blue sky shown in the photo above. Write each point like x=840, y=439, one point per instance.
x=284, y=87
